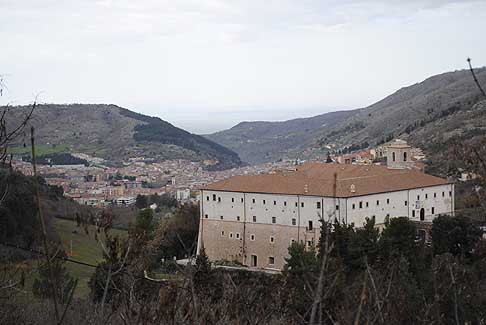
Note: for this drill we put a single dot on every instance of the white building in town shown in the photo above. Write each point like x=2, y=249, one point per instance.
x=254, y=219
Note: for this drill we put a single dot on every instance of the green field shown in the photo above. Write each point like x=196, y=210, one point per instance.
x=41, y=149
x=84, y=249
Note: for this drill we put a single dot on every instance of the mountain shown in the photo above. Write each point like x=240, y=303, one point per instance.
x=437, y=107
x=116, y=133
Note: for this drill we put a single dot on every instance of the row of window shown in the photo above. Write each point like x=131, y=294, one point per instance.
x=318, y=204
x=237, y=235
x=274, y=220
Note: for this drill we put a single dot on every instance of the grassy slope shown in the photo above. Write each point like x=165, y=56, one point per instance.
x=85, y=249
x=41, y=149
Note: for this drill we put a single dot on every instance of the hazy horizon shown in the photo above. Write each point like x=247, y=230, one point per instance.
x=208, y=65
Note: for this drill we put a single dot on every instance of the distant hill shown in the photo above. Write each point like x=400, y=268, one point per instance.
x=116, y=133
x=426, y=112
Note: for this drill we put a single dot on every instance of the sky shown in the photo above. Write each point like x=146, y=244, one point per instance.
x=205, y=65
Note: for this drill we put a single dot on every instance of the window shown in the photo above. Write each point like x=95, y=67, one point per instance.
x=418, y=197
x=285, y=203
x=271, y=260
x=252, y=237
x=413, y=213
x=253, y=200
x=233, y=199
x=241, y=200
x=231, y=235
x=318, y=205
x=337, y=207
x=387, y=201
x=219, y=199
x=443, y=194
x=214, y=197
x=206, y=216
x=426, y=195
x=309, y=243
x=388, y=215
x=222, y=233
x=367, y=205
x=435, y=194
x=207, y=198
x=450, y=193
x=274, y=220
x=310, y=225
x=221, y=217
x=294, y=222
x=393, y=156
x=274, y=202
x=238, y=218
x=361, y=204
x=237, y=235
x=263, y=202
x=433, y=210
x=354, y=206
x=296, y=204
x=272, y=239
x=404, y=156
x=406, y=203
x=377, y=202
x=292, y=241
x=301, y=204
x=254, y=218
x=254, y=260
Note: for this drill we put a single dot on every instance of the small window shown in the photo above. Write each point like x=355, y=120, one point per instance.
x=433, y=210
x=367, y=204
x=207, y=198
x=238, y=218
x=443, y=194
x=272, y=239
x=294, y=222
x=388, y=215
x=318, y=205
x=413, y=213
x=241, y=200
x=263, y=202
x=285, y=203
x=406, y=203
x=393, y=156
x=252, y=237
x=219, y=199
x=387, y=201
x=354, y=206
x=418, y=197
x=377, y=202
x=274, y=220
x=450, y=193
x=292, y=241
x=231, y=235
x=206, y=216
x=254, y=218
x=221, y=217
x=435, y=194
x=214, y=197
x=309, y=243
x=274, y=202
x=237, y=235
x=404, y=156
x=233, y=199
x=337, y=207
x=310, y=225
x=301, y=204
x=426, y=195
x=361, y=204
x=222, y=233
x=296, y=204
x=253, y=200
x=271, y=260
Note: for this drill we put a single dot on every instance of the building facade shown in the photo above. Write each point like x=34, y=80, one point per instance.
x=254, y=219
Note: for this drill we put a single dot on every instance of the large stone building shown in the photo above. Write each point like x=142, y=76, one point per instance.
x=254, y=219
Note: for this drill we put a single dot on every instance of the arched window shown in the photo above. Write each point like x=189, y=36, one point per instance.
x=404, y=156
x=393, y=156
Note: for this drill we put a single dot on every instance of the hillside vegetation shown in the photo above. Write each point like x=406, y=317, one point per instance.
x=115, y=133
x=432, y=110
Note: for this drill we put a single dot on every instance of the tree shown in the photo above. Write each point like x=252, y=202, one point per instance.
x=41, y=287
x=144, y=221
x=141, y=202
x=398, y=239
x=455, y=235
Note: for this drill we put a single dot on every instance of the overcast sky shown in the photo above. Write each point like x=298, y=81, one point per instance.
x=205, y=65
